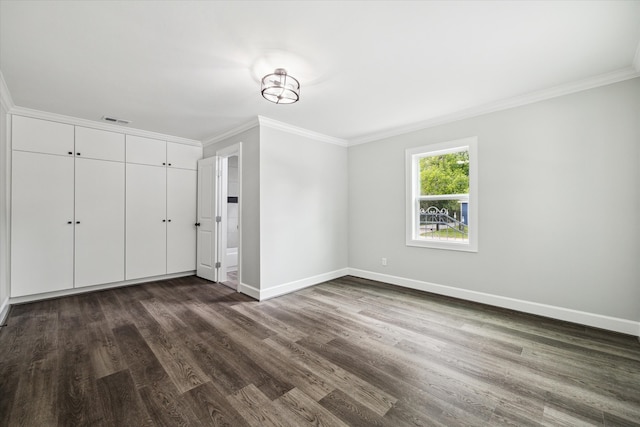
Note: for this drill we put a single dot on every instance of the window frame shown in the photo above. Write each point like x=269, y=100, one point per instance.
x=413, y=196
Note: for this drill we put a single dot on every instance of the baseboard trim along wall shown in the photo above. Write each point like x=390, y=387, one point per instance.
x=286, y=288
x=4, y=310
x=85, y=289
x=584, y=318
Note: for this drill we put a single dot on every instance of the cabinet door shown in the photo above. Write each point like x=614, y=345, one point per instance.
x=146, y=151
x=181, y=219
x=146, y=238
x=41, y=136
x=99, y=222
x=183, y=156
x=99, y=144
x=41, y=224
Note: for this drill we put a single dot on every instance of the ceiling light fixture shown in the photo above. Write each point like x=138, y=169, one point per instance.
x=280, y=87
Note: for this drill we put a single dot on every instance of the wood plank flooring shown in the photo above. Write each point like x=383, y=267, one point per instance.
x=187, y=352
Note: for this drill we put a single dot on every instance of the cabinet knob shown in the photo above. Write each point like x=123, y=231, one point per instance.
x=197, y=224
x=169, y=220
x=77, y=154
x=77, y=222
x=164, y=220
x=164, y=164
x=169, y=164
x=69, y=222
x=70, y=152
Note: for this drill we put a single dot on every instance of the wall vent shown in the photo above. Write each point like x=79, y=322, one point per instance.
x=115, y=120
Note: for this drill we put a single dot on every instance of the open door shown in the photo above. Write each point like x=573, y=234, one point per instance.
x=210, y=238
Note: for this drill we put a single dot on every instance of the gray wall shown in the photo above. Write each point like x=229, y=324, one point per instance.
x=559, y=202
x=303, y=207
x=250, y=220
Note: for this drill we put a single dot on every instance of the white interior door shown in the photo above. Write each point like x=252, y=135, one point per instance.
x=206, y=216
x=207, y=235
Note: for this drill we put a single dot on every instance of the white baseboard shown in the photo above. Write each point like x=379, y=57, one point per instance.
x=296, y=285
x=249, y=291
x=276, y=291
x=582, y=317
x=85, y=289
x=4, y=310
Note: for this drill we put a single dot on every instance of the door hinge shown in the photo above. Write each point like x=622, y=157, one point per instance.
x=218, y=265
x=218, y=219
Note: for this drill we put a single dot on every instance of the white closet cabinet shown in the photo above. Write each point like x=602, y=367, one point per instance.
x=67, y=211
x=42, y=222
x=146, y=221
x=181, y=218
x=99, y=222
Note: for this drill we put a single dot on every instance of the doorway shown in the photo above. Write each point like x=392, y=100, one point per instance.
x=219, y=217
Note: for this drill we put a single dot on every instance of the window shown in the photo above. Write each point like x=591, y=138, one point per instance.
x=442, y=196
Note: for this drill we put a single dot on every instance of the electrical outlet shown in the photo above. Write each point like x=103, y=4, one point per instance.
x=384, y=262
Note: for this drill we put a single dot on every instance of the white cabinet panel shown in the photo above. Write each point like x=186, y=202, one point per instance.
x=183, y=156
x=41, y=136
x=146, y=151
x=146, y=236
x=99, y=144
x=42, y=223
x=181, y=219
x=99, y=217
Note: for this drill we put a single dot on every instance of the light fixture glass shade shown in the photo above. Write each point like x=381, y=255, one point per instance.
x=280, y=87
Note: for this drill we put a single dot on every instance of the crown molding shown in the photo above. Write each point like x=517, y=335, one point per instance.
x=274, y=124
x=285, y=127
x=44, y=115
x=232, y=132
x=5, y=95
x=529, y=98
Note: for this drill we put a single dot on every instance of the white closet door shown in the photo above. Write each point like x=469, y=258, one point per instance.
x=146, y=151
x=146, y=235
x=183, y=156
x=99, y=228
x=181, y=219
x=99, y=144
x=41, y=136
x=41, y=223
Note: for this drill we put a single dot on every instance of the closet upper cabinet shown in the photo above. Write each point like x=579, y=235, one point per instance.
x=99, y=144
x=146, y=151
x=183, y=156
x=41, y=136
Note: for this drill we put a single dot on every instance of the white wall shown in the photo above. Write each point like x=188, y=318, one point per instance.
x=250, y=220
x=567, y=170
x=232, y=208
x=303, y=209
x=4, y=206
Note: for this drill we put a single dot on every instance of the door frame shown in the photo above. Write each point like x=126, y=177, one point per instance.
x=225, y=153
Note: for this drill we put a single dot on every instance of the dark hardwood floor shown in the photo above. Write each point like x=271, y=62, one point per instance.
x=187, y=352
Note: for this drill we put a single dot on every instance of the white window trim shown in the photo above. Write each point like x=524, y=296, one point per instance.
x=412, y=193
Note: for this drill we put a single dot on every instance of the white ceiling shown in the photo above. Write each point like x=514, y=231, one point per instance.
x=192, y=69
